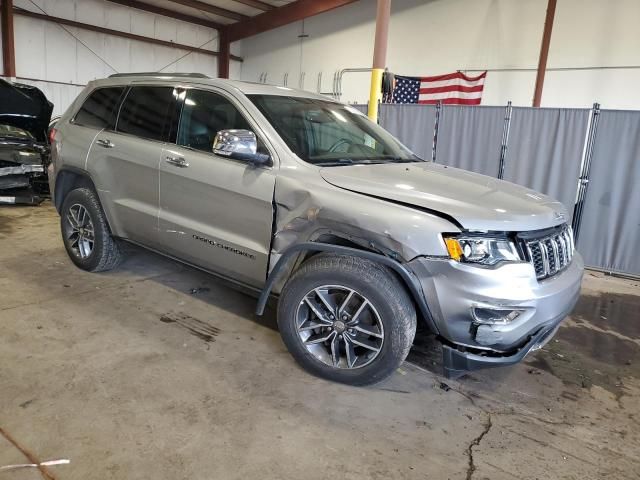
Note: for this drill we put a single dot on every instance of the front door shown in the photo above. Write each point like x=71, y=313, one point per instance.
x=215, y=212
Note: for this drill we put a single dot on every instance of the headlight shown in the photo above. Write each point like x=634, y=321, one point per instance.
x=482, y=250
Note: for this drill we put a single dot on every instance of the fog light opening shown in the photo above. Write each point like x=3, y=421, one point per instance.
x=494, y=316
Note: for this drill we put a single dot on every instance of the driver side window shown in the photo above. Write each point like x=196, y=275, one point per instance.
x=330, y=134
x=204, y=114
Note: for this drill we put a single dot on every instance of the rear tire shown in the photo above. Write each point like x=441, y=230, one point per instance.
x=86, y=234
x=346, y=319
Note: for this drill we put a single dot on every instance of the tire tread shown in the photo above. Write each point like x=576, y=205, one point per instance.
x=390, y=288
x=110, y=252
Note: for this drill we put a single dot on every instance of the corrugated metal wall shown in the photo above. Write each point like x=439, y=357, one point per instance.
x=45, y=51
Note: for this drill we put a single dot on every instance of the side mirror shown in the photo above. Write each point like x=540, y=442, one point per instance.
x=239, y=145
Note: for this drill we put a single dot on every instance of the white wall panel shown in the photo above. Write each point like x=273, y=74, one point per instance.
x=441, y=36
x=45, y=51
x=235, y=68
x=143, y=56
x=117, y=54
x=90, y=64
x=188, y=35
x=89, y=11
x=117, y=17
x=142, y=23
x=60, y=55
x=165, y=29
x=62, y=8
x=501, y=87
x=30, y=45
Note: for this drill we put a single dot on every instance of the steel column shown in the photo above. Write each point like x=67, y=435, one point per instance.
x=436, y=126
x=224, y=47
x=505, y=139
x=8, y=47
x=383, y=13
x=585, y=171
x=544, y=52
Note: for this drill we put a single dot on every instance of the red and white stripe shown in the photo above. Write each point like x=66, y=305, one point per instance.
x=452, y=89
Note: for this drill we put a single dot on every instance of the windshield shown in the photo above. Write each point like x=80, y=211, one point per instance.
x=328, y=133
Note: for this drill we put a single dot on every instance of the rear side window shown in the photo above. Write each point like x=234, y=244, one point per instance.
x=144, y=112
x=100, y=108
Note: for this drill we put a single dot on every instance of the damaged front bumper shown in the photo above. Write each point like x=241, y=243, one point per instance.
x=21, y=170
x=23, y=176
x=490, y=317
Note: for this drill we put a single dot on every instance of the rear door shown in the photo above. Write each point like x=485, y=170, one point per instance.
x=124, y=162
x=74, y=139
x=215, y=212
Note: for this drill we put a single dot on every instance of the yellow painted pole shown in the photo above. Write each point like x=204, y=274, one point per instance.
x=375, y=93
x=379, y=56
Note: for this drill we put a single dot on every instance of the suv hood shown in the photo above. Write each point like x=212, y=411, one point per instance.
x=26, y=108
x=476, y=202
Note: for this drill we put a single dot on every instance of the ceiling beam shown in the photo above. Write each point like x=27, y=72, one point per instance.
x=284, y=15
x=166, y=13
x=117, y=33
x=206, y=7
x=8, y=47
x=265, y=7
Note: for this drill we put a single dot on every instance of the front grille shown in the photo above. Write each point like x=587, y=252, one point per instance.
x=551, y=252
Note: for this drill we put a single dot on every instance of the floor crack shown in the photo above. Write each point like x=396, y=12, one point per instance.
x=474, y=443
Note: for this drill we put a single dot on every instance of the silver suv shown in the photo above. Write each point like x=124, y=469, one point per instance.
x=297, y=196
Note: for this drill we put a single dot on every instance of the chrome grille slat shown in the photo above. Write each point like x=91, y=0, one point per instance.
x=569, y=239
x=562, y=246
x=550, y=254
x=554, y=251
x=558, y=243
x=545, y=258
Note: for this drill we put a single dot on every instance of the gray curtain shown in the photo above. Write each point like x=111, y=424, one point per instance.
x=363, y=108
x=470, y=138
x=545, y=150
x=411, y=124
x=609, y=236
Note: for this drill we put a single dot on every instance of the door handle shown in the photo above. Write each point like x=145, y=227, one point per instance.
x=106, y=143
x=177, y=161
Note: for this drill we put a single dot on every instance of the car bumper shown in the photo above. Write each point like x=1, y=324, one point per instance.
x=453, y=290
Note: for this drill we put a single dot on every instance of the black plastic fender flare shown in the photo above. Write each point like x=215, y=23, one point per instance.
x=407, y=276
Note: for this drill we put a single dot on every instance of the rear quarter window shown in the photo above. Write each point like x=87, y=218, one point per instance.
x=144, y=112
x=100, y=109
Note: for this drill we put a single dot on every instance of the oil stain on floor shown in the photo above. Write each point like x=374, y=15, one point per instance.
x=196, y=327
x=600, y=344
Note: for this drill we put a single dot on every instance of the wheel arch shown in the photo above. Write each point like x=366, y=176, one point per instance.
x=305, y=250
x=68, y=179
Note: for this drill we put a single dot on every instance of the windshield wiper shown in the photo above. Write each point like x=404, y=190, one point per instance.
x=335, y=162
x=365, y=161
x=403, y=160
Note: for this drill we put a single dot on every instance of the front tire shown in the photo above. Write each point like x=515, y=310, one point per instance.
x=86, y=234
x=346, y=319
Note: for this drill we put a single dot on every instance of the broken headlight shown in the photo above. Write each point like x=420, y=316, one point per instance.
x=481, y=250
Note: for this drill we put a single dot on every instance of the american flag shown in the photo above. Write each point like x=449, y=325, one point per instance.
x=452, y=89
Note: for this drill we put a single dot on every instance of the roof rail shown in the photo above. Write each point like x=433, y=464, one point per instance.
x=156, y=74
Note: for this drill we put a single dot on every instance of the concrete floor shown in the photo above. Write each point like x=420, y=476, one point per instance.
x=130, y=375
